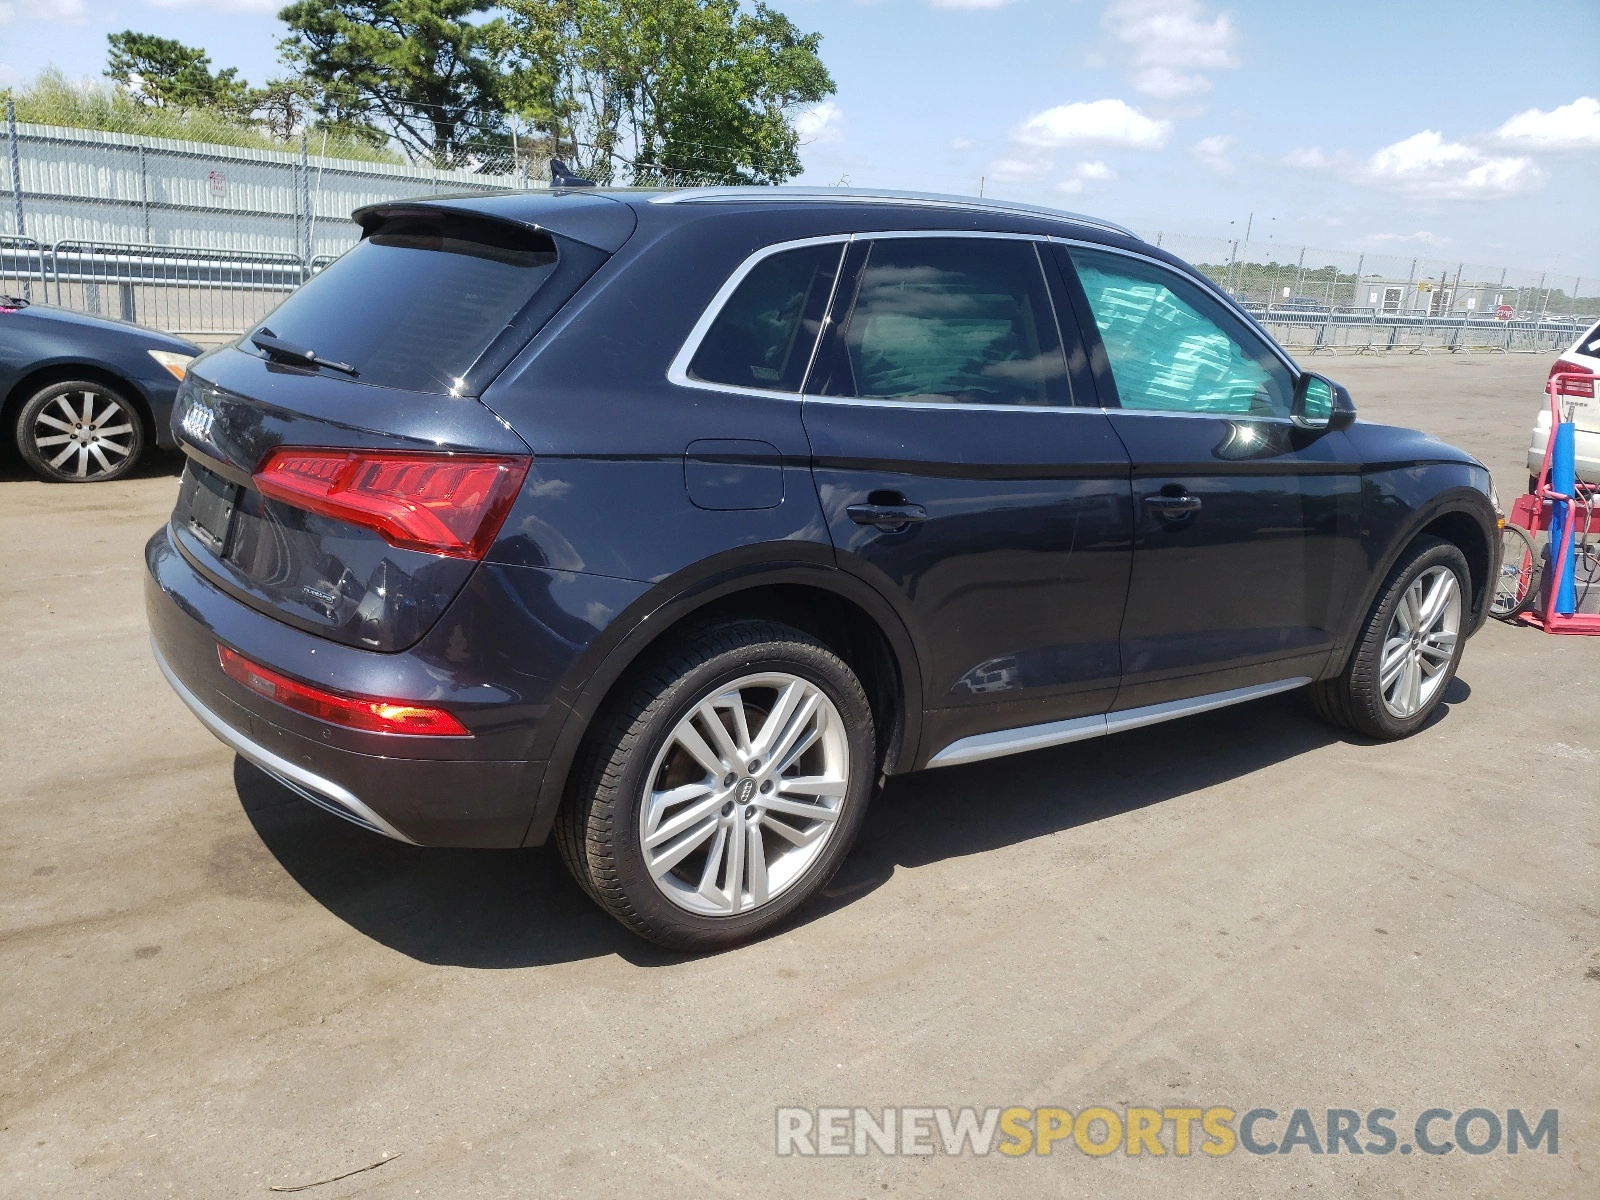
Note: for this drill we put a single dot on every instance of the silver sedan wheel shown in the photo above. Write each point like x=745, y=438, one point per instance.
x=1421, y=642
x=745, y=794
x=84, y=434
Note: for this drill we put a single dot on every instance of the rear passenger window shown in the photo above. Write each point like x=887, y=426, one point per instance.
x=960, y=320
x=764, y=335
x=1173, y=348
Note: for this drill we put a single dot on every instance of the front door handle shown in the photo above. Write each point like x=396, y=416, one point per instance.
x=891, y=518
x=1173, y=508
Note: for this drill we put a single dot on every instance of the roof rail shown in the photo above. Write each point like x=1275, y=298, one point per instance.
x=728, y=195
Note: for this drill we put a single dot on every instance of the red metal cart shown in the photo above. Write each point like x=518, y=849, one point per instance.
x=1533, y=512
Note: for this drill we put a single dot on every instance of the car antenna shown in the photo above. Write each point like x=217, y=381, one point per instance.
x=561, y=176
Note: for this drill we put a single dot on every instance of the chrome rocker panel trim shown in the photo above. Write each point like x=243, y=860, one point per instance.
x=1058, y=733
x=324, y=793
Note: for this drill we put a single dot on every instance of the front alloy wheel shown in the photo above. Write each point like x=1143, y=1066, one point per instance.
x=1421, y=643
x=79, y=432
x=722, y=786
x=1408, y=650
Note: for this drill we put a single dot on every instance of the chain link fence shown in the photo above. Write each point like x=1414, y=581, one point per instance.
x=1372, y=302
x=203, y=240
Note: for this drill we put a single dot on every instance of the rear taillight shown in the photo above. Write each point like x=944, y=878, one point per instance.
x=1581, y=388
x=450, y=504
x=354, y=712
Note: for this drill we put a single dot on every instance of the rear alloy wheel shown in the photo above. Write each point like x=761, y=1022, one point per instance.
x=725, y=790
x=79, y=432
x=1409, y=648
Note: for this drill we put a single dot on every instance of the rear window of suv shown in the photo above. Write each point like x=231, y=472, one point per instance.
x=415, y=304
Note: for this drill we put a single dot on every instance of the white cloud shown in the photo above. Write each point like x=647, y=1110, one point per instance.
x=1307, y=158
x=1573, y=126
x=6, y=14
x=1164, y=83
x=1213, y=151
x=970, y=3
x=1084, y=173
x=1097, y=122
x=1168, y=40
x=960, y=143
x=820, y=123
x=1018, y=170
x=1426, y=165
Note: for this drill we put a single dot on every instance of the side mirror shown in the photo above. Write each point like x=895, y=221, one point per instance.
x=1321, y=404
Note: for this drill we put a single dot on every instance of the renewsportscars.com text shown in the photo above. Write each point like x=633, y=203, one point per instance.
x=1214, y=1131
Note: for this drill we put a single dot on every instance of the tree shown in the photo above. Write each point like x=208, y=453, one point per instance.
x=164, y=73
x=419, y=71
x=667, y=90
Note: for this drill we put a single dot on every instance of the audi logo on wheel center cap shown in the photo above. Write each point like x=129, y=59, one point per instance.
x=747, y=789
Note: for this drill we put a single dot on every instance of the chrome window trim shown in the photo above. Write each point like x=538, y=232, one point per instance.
x=678, y=370
x=980, y=746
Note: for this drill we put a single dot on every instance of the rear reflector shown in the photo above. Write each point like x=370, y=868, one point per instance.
x=450, y=504
x=353, y=712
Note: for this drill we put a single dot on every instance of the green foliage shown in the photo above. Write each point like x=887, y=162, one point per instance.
x=53, y=99
x=164, y=73
x=667, y=89
x=419, y=71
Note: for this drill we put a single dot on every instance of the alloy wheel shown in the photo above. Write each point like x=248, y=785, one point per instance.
x=84, y=434
x=744, y=794
x=1421, y=642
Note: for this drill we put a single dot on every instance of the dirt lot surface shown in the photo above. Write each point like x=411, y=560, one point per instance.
x=208, y=987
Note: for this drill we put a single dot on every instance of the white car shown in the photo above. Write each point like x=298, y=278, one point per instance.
x=1578, y=395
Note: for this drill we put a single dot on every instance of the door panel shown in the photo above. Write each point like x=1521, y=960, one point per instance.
x=1244, y=522
x=965, y=486
x=1249, y=584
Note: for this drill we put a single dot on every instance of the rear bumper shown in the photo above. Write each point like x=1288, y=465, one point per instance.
x=414, y=789
x=1585, y=443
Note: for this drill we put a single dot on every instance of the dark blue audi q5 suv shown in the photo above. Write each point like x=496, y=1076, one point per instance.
x=669, y=524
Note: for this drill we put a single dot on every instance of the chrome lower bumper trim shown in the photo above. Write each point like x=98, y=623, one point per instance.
x=324, y=793
x=1058, y=733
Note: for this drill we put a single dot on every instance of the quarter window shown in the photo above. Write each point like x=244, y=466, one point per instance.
x=764, y=335
x=1174, y=348
x=951, y=320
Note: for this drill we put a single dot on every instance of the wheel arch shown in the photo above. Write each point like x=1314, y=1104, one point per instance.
x=836, y=608
x=1458, y=516
x=60, y=372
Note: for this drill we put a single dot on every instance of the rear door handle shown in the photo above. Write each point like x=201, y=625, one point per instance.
x=891, y=518
x=1170, y=507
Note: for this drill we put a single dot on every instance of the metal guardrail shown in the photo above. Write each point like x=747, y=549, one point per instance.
x=1375, y=332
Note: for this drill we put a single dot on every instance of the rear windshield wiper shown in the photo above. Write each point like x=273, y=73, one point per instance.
x=276, y=348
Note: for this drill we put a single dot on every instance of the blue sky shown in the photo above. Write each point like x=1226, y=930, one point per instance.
x=1463, y=130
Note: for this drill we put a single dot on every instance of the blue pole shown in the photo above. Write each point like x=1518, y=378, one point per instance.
x=1563, y=471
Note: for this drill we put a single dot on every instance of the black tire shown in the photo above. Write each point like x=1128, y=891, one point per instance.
x=598, y=830
x=79, y=431
x=1517, y=587
x=1354, y=699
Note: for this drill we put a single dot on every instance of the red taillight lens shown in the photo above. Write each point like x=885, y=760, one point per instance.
x=1582, y=388
x=450, y=504
x=353, y=712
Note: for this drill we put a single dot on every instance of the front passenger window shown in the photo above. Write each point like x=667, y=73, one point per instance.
x=1174, y=348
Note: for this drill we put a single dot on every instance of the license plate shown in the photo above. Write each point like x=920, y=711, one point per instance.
x=211, y=510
